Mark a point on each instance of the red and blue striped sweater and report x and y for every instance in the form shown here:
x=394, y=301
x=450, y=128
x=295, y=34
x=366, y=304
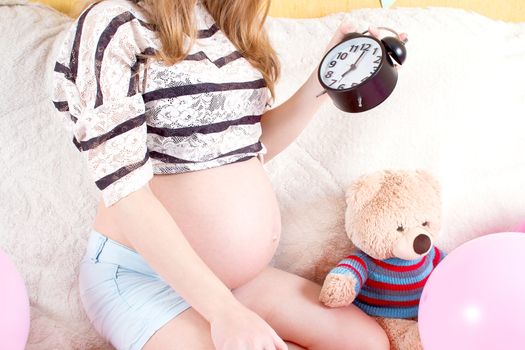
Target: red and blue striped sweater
x=392, y=287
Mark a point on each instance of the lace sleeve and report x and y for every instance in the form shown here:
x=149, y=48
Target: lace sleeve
x=95, y=89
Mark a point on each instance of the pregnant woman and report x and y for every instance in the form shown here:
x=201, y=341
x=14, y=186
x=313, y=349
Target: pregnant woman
x=167, y=101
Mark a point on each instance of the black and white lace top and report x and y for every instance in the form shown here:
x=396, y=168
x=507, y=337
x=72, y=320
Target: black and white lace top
x=131, y=121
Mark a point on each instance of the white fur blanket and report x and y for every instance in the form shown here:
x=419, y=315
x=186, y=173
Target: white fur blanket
x=457, y=111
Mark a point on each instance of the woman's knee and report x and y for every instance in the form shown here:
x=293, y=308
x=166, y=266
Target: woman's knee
x=372, y=337
x=354, y=330
x=376, y=339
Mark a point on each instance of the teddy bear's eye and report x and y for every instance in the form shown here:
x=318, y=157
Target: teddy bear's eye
x=400, y=228
x=426, y=223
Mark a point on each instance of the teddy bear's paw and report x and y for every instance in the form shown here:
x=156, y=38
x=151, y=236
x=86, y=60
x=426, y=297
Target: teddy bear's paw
x=338, y=290
x=403, y=334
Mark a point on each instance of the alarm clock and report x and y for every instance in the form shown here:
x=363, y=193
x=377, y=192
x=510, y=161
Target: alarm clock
x=359, y=73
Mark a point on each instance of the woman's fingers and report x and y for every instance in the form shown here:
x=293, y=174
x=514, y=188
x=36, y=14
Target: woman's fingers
x=343, y=29
x=279, y=343
x=374, y=31
x=347, y=27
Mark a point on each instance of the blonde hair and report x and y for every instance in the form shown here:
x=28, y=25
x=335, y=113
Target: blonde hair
x=241, y=21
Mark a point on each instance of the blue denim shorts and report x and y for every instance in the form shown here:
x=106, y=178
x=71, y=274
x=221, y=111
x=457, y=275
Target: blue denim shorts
x=125, y=300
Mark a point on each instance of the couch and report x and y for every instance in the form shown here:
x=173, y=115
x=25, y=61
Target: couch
x=457, y=111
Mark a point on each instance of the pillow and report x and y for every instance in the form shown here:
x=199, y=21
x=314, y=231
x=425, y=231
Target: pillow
x=456, y=111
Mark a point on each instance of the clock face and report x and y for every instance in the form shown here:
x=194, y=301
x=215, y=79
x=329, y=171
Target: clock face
x=350, y=63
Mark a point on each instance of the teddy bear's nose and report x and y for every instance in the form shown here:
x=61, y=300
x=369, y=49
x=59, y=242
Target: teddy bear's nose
x=422, y=244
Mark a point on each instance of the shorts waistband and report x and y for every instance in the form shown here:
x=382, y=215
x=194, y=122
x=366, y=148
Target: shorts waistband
x=101, y=248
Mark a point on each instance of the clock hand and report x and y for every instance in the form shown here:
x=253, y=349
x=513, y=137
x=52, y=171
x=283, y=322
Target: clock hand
x=359, y=58
x=353, y=66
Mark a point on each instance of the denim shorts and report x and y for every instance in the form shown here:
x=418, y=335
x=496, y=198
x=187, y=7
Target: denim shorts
x=125, y=300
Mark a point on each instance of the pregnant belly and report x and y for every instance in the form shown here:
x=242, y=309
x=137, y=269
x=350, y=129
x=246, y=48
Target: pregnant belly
x=229, y=214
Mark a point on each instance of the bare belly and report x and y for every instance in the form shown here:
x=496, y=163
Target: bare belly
x=229, y=214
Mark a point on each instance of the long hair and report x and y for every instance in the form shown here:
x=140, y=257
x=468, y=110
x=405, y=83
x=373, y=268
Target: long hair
x=242, y=21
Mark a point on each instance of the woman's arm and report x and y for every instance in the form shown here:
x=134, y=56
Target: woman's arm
x=156, y=237
x=281, y=125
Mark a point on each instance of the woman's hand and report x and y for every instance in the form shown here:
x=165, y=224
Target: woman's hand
x=348, y=27
x=281, y=125
x=375, y=32
x=343, y=29
x=242, y=329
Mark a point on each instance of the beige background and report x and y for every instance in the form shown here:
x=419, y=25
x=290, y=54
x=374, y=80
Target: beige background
x=508, y=10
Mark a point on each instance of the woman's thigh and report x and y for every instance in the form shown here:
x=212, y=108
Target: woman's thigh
x=189, y=330
x=289, y=303
x=130, y=305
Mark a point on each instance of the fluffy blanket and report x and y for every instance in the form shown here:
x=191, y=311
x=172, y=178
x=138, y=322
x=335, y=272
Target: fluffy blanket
x=457, y=111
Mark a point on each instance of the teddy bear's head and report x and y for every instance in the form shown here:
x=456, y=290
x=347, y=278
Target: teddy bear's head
x=394, y=214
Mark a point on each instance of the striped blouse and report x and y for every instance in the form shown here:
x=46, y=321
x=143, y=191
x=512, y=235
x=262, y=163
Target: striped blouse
x=131, y=120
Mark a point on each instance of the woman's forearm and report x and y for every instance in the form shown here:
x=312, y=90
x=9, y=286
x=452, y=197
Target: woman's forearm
x=156, y=237
x=281, y=125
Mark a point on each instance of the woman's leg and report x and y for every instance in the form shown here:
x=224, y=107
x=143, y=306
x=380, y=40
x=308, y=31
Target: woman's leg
x=189, y=330
x=289, y=303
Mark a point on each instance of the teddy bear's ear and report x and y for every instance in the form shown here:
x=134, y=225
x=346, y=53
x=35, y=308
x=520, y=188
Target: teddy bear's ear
x=363, y=189
x=429, y=179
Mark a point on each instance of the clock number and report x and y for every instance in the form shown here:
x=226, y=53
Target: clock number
x=365, y=47
x=342, y=86
x=329, y=74
x=342, y=56
x=375, y=51
x=333, y=82
x=378, y=60
x=353, y=48
x=332, y=64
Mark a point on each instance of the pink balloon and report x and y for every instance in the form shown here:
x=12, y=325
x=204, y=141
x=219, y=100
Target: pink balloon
x=14, y=306
x=521, y=228
x=475, y=298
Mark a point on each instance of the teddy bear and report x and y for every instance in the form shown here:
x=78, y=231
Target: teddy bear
x=393, y=218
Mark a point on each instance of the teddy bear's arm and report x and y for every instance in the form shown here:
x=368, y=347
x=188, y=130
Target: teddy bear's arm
x=344, y=281
x=437, y=256
x=355, y=265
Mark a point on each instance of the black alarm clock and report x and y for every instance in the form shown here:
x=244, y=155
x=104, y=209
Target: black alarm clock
x=359, y=73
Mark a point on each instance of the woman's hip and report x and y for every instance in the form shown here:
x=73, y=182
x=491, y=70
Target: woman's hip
x=123, y=297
